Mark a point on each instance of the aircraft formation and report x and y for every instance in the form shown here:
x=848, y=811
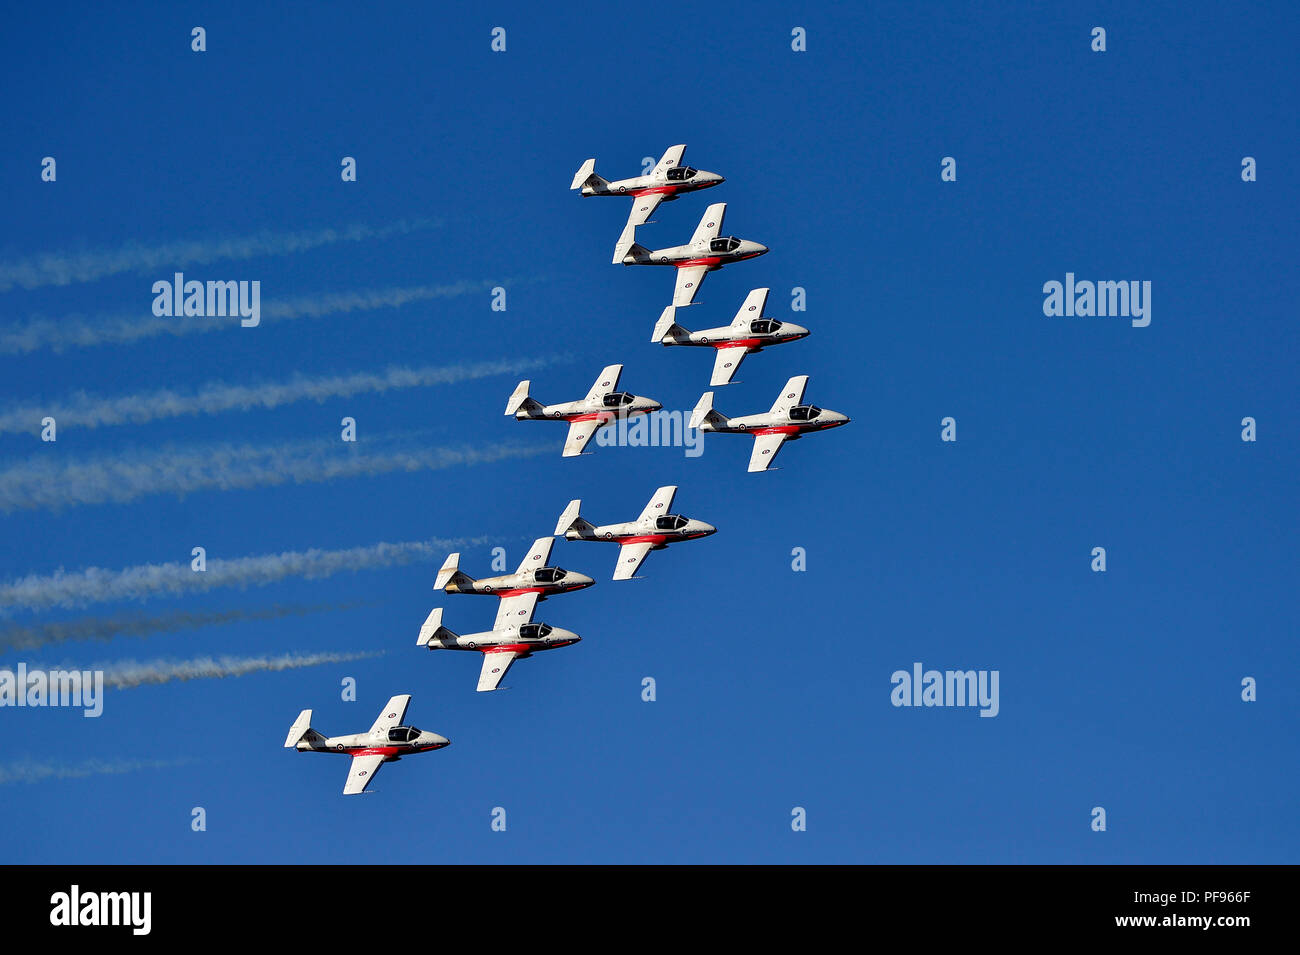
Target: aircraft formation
x=514, y=634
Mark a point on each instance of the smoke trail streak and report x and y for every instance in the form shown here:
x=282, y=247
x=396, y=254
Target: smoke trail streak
x=101, y=585
x=28, y=637
x=128, y=674
x=26, y=771
x=82, y=331
x=67, y=268
x=51, y=483
x=90, y=411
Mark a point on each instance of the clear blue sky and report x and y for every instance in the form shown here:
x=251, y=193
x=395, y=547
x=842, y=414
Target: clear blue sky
x=924, y=299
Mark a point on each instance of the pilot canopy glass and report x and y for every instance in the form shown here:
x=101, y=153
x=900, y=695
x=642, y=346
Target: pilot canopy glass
x=764, y=326
x=549, y=575
x=534, y=631
x=670, y=522
x=724, y=244
x=617, y=398
x=403, y=734
x=804, y=412
x=680, y=173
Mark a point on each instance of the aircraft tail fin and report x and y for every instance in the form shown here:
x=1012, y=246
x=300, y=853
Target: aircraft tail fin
x=433, y=630
x=704, y=413
x=667, y=330
x=450, y=573
x=637, y=253
x=519, y=400
x=587, y=180
x=301, y=732
x=571, y=524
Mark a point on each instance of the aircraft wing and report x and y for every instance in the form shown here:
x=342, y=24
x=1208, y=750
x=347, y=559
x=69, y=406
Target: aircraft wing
x=689, y=279
x=752, y=307
x=580, y=433
x=514, y=611
x=673, y=157
x=606, y=383
x=495, y=666
x=537, y=554
x=725, y=363
x=361, y=772
x=392, y=713
x=629, y=559
x=643, y=207
x=710, y=223
x=765, y=450
x=660, y=504
x=791, y=394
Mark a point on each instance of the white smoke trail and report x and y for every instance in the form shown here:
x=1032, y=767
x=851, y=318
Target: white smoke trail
x=26, y=771
x=128, y=674
x=90, y=411
x=101, y=585
x=53, y=483
x=31, y=636
x=86, y=331
x=67, y=268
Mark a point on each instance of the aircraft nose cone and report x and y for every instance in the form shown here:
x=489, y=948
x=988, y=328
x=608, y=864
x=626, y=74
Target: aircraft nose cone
x=582, y=580
x=707, y=529
x=760, y=249
x=440, y=740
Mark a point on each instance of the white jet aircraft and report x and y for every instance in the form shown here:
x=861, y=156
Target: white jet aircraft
x=534, y=580
x=749, y=332
x=665, y=183
x=603, y=405
x=387, y=742
x=655, y=529
x=787, y=421
x=706, y=252
x=513, y=636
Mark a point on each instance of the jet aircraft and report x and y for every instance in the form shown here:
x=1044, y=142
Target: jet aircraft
x=655, y=529
x=603, y=405
x=788, y=420
x=749, y=332
x=386, y=742
x=668, y=180
x=706, y=252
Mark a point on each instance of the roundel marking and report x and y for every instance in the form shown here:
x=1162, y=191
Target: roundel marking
x=496, y=669
x=604, y=384
x=622, y=188
x=609, y=535
x=711, y=225
x=487, y=588
x=392, y=716
x=790, y=395
x=742, y=427
x=471, y=644
x=727, y=365
x=767, y=450
x=690, y=285
x=339, y=747
x=659, y=505
x=364, y=772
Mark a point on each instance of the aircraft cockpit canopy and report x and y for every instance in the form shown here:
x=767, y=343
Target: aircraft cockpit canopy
x=549, y=575
x=403, y=734
x=804, y=412
x=724, y=244
x=680, y=173
x=617, y=398
x=670, y=522
x=764, y=326
x=534, y=631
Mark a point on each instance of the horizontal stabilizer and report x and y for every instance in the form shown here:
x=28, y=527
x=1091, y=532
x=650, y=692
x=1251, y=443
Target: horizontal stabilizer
x=667, y=330
x=433, y=629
